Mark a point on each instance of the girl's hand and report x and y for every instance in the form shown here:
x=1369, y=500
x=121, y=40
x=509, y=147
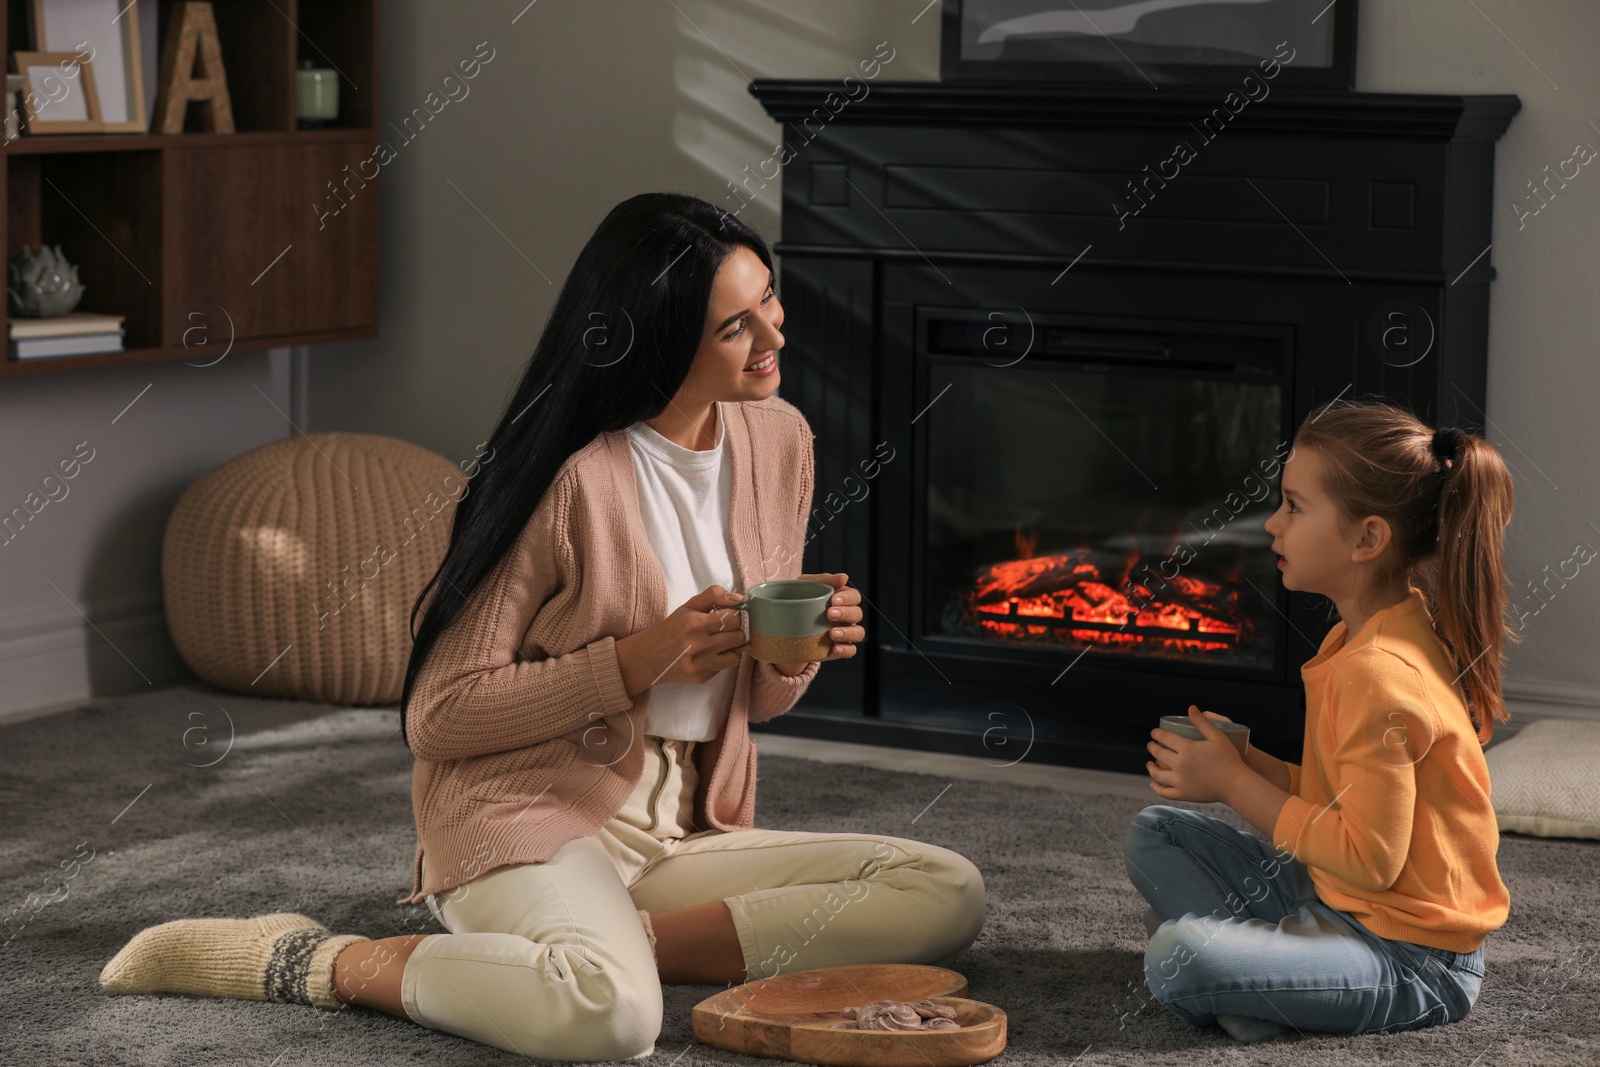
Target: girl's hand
x=1196, y=771
x=845, y=616
x=700, y=639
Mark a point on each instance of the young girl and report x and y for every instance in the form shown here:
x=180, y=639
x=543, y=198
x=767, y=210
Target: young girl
x=1367, y=907
x=580, y=691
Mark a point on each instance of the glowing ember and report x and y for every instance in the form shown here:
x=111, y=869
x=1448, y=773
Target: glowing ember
x=1070, y=598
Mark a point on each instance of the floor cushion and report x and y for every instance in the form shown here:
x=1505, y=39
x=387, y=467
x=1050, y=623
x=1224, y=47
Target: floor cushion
x=1545, y=780
x=291, y=570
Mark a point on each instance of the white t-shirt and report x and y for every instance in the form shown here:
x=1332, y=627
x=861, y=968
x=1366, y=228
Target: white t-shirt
x=683, y=499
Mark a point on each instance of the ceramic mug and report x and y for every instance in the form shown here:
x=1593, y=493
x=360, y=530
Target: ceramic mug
x=1237, y=732
x=789, y=620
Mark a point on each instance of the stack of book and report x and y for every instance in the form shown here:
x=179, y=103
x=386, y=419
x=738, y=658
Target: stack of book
x=76, y=334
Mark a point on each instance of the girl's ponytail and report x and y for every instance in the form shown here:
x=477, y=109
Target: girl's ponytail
x=1447, y=498
x=1474, y=509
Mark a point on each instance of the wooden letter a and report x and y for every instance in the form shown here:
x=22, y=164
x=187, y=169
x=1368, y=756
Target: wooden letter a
x=192, y=27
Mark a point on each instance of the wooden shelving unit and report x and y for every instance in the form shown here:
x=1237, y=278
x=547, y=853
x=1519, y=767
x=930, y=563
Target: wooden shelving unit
x=198, y=238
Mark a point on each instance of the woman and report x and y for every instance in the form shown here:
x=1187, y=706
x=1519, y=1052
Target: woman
x=584, y=787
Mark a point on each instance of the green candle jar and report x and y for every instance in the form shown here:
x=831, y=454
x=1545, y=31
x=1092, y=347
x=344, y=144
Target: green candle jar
x=316, y=96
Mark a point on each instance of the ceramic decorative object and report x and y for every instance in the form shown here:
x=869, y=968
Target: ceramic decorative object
x=43, y=285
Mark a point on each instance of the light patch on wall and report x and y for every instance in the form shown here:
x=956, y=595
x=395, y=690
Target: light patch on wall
x=725, y=158
x=721, y=140
x=721, y=94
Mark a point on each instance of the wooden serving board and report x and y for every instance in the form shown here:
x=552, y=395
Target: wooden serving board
x=797, y=1017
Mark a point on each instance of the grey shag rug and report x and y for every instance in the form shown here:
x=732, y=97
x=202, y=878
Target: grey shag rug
x=308, y=810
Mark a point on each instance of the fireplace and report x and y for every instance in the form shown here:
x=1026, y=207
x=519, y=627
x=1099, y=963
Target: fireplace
x=1051, y=530
x=1074, y=420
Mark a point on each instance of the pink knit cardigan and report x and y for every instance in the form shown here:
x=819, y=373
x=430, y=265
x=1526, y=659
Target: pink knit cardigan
x=523, y=733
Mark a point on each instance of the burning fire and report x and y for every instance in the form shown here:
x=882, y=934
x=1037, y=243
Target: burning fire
x=1071, y=597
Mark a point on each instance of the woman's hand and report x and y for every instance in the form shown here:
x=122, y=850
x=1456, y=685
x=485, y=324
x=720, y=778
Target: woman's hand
x=845, y=616
x=1196, y=771
x=703, y=637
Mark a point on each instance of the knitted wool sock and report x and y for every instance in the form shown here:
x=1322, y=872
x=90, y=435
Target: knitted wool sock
x=649, y=930
x=282, y=957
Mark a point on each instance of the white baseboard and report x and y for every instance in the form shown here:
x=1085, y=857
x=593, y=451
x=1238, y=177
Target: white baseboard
x=51, y=658
x=1533, y=699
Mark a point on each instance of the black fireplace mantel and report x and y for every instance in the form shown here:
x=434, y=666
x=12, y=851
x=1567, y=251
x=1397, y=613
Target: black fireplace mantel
x=1329, y=112
x=1393, y=187
x=1303, y=224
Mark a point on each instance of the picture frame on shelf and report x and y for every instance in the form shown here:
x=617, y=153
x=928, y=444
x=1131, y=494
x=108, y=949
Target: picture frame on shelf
x=1150, y=44
x=59, y=96
x=14, y=114
x=107, y=33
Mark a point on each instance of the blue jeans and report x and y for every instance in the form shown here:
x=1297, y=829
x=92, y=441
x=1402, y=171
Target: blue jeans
x=1244, y=933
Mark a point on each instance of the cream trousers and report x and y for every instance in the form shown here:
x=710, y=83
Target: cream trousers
x=549, y=960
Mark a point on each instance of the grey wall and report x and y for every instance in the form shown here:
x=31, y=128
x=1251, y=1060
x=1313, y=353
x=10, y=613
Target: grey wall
x=80, y=585
x=585, y=103
x=1543, y=317
x=581, y=106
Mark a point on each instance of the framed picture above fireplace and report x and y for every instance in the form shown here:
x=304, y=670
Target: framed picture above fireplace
x=1304, y=43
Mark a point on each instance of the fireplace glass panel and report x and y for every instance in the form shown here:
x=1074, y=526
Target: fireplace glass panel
x=1107, y=509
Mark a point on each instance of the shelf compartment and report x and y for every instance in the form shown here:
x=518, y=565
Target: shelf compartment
x=105, y=212
x=258, y=54
x=343, y=37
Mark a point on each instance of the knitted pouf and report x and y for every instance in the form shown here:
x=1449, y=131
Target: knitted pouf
x=291, y=571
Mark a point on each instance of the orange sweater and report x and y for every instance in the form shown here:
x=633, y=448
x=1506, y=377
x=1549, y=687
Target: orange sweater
x=1390, y=810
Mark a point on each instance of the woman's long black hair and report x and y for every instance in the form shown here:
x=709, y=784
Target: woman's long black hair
x=617, y=346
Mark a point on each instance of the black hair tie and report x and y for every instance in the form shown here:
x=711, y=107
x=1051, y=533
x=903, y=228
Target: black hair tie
x=1444, y=442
